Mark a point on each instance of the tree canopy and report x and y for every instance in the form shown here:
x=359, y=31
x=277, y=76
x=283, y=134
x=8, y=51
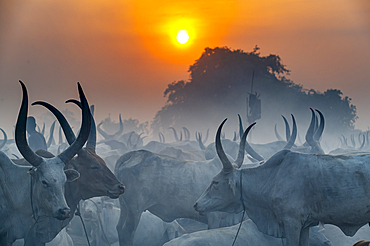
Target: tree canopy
x=218, y=87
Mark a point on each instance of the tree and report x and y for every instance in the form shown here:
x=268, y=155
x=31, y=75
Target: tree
x=219, y=84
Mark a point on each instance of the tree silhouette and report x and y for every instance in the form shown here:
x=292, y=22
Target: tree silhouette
x=220, y=81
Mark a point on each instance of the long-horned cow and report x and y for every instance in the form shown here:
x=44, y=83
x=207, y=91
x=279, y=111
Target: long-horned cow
x=27, y=193
x=95, y=180
x=292, y=192
x=166, y=186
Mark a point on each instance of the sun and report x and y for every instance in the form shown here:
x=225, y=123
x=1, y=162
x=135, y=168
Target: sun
x=182, y=36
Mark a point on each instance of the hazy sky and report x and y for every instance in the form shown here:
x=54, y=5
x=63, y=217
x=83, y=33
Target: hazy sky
x=125, y=53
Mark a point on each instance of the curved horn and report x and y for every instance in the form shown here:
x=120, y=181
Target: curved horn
x=292, y=138
x=174, y=133
x=51, y=134
x=186, y=133
x=287, y=129
x=120, y=130
x=234, y=138
x=5, y=139
x=68, y=154
x=277, y=134
x=363, y=142
x=180, y=136
x=129, y=143
x=198, y=137
x=43, y=129
x=103, y=133
x=252, y=152
x=353, y=141
x=310, y=131
x=60, y=135
x=91, y=141
x=68, y=133
x=20, y=132
x=240, y=127
x=320, y=129
x=227, y=166
x=206, y=138
x=239, y=160
x=161, y=137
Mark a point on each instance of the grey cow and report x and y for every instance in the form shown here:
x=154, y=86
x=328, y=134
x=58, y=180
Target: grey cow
x=292, y=192
x=27, y=193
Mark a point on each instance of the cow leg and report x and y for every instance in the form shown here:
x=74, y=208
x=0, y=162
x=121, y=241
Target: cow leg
x=292, y=232
x=304, y=237
x=127, y=224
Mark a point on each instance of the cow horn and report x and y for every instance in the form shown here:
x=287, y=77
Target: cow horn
x=198, y=137
x=310, y=131
x=292, y=138
x=239, y=160
x=91, y=141
x=20, y=132
x=320, y=129
x=51, y=134
x=206, y=138
x=5, y=139
x=67, y=155
x=363, y=142
x=227, y=166
x=175, y=134
x=68, y=133
x=287, y=129
x=186, y=133
x=43, y=129
x=240, y=127
x=120, y=130
x=277, y=134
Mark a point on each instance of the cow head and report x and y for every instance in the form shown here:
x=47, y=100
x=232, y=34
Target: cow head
x=95, y=177
x=91, y=209
x=48, y=175
x=223, y=194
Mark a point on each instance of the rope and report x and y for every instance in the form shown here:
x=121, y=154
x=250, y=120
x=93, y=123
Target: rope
x=33, y=215
x=78, y=213
x=241, y=198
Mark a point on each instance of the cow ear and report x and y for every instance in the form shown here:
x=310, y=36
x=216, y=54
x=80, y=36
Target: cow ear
x=32, y=171
x=71, y=174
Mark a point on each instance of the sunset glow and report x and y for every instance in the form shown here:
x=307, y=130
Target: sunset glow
x=206, y=25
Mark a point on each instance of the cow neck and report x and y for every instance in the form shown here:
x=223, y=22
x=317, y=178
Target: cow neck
x=241, y=198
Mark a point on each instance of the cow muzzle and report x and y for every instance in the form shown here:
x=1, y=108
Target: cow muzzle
x=63, y=213
x=117, y=192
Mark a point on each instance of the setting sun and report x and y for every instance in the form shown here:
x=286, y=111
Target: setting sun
x=182, y=36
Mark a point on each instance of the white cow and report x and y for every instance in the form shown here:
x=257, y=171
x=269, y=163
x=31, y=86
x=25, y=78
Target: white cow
x=102, y=217
x=27, y=193
x=249, y=235
x=291, y=192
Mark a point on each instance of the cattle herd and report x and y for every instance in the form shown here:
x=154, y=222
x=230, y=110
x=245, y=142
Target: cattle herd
x=125, y=191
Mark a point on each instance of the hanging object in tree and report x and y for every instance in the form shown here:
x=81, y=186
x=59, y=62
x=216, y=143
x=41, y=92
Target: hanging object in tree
x=253, y=105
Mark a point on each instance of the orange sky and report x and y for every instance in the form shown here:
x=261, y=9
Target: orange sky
x=124, y=53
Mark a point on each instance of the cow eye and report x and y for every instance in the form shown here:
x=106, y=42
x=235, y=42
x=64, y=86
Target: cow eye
x=45, y=183
x=95, y=167
x=215, y=182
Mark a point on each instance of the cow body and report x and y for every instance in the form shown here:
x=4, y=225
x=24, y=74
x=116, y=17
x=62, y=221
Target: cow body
x=293, y=191
x=166, y=186
x=249, y=235
x=102, y=217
